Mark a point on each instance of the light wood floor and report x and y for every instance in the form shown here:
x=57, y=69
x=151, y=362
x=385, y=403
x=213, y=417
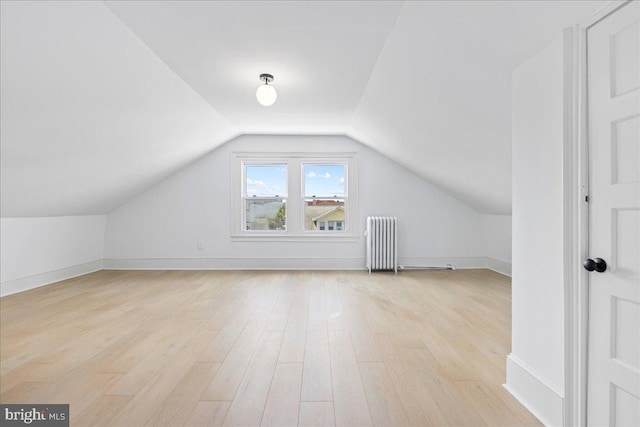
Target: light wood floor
x=273, y=348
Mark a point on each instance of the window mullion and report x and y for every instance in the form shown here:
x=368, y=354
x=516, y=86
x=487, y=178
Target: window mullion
x=294, y=206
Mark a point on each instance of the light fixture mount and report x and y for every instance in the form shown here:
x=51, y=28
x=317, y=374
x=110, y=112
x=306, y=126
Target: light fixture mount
x=266, y=78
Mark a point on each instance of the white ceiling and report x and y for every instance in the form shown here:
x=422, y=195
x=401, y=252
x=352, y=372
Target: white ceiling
x=321, y=54
x=100, y=102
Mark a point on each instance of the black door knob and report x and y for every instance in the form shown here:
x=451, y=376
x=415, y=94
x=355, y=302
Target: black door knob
x=597, y=264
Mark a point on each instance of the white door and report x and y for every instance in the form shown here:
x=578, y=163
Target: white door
x=613, y=390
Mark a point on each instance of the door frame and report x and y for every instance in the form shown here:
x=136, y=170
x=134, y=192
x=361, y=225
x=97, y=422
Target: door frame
x=576, y=217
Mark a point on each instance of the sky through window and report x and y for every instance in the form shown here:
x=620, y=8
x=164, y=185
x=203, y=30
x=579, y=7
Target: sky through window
x=266, y=180
x=324, y=180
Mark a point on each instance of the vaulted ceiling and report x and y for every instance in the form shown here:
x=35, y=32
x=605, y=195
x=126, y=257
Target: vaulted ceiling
x=100, y=100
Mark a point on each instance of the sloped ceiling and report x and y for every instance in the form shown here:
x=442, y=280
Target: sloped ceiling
x=439, y=99
x=90, y=115
x=101, y=100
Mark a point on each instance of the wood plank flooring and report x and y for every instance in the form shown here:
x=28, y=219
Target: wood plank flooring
x=248, y=348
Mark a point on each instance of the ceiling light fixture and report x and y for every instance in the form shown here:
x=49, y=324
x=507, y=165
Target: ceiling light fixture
x=266, y=94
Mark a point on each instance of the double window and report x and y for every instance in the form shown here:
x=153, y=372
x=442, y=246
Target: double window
x=293, y=196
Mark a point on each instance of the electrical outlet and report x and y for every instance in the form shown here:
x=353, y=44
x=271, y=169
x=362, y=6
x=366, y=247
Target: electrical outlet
x=200, y=245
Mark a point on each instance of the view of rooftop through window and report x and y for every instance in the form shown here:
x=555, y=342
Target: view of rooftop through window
x=266, y=197
x=324, y=197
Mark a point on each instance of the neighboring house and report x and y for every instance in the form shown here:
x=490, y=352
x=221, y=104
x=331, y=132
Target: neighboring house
x=325, y=215
x=330, y=221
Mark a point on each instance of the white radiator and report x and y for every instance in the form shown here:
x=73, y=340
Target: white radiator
x=382, y=243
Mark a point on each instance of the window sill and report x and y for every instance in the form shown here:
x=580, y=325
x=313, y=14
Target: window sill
x=297, y=238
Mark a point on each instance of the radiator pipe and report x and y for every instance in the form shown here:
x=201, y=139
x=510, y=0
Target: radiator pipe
x=421, y=267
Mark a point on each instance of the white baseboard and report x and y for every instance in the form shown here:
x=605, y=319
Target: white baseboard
x=10, y=287
x=234, y=264
x=460, y=263
x=499, y=266
x=536, y=393
x=280, y=263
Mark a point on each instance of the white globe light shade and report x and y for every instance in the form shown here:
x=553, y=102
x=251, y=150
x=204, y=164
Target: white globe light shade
x=266, y=95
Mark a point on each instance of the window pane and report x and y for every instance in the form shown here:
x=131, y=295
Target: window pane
x=266, y=214
x=324, y=180
x=265, y=180
x=323, y=214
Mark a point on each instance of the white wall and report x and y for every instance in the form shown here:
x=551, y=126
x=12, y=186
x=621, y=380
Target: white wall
x=535, y=368
x=38, y=251
x=161, y=227
x=497, y=240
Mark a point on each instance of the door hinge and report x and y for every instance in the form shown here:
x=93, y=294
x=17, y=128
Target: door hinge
x=586, y=198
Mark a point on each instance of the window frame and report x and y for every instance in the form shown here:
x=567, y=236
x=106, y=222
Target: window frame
x=295, y=198
x=345, y=196
x=245, y=197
